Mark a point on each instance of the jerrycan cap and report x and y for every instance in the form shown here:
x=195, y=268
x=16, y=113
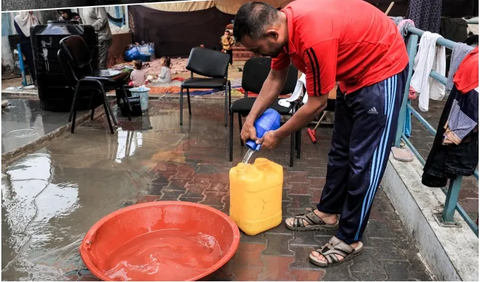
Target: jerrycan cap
x=252, y=145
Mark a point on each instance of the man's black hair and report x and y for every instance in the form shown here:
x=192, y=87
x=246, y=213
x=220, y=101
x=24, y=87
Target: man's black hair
x=251, y=20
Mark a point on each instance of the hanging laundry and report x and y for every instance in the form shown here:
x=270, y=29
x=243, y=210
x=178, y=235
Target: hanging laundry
x=403, y=27
x=430, y=56
x=455, y=148
x=454, y=29
x=460, y=50
x=397, y=20
x=466, y=77
x=426, y=14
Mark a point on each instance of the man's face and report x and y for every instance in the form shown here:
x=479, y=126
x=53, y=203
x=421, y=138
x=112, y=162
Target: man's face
x=267, y=46
x=64, y=15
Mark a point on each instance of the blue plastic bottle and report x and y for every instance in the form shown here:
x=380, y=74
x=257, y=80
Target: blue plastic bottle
x=269, y=120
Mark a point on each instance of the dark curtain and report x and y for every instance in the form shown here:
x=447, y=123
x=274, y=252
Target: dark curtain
x=176, y=33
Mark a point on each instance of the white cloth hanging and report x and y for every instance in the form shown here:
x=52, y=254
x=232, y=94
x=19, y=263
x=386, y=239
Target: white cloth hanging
x=25, y=21
x=430, y=57
x=297, y=93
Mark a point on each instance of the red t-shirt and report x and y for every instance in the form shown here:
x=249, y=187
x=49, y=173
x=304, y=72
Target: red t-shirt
x=348, y=41
x=466, y=77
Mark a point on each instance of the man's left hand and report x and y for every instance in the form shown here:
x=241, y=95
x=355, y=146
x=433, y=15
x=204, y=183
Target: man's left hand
x=270, y=140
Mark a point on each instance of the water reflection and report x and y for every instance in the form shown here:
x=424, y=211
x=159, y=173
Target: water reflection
x=30, y=204
x=127, y=144
x=24, y=122
x=53, y=197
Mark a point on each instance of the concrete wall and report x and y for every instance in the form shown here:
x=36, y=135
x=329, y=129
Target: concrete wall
x=451, y=253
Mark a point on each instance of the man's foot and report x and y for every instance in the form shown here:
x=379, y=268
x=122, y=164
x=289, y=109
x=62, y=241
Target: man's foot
x=313, y=219
x=335, y=252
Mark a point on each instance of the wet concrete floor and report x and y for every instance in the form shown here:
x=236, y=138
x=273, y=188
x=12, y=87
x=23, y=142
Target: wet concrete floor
x=52, y=197
x=24, y=122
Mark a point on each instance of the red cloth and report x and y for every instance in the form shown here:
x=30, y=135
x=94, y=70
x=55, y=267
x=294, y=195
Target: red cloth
x=348, y=41
x=466, y=77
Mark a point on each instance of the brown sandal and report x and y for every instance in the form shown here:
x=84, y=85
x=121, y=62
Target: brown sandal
x=314, y=222
x=333, y=248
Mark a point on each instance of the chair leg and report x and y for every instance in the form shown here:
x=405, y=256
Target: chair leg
x=105, y=106
x=181, y=105
x=127, y=103
x=299, y=143
x=188, y=100
x=292, y=148
x=240, y=127
x=128, y=108
x=73, y=102
x=229, y=94
x=230, y=141
x=228, y=98
x=90, y=107
x=73, y=111
x=110, y=111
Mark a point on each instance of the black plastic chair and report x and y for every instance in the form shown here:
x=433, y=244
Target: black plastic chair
x=76, y=61
x=255, y=72
x=213, y=65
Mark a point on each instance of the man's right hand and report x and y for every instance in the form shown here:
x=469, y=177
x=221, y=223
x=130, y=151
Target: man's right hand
x=248, y=132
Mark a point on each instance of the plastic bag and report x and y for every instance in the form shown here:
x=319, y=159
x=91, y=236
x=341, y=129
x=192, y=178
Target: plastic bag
x=144, y=49
x=151, y=48
x=132, y=54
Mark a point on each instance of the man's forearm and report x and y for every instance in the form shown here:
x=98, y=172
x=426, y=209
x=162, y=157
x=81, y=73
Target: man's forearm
x=300, y=119
x=269, y=93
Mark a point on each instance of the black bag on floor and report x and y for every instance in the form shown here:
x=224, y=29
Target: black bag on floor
x=136, y=109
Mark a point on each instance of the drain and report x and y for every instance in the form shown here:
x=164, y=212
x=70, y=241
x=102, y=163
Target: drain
x=21, y=133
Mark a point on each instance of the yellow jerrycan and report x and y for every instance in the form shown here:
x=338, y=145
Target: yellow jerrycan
x=256, y=195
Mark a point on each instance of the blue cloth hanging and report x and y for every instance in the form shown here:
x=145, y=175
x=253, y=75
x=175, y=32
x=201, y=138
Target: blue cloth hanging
x=407, y=126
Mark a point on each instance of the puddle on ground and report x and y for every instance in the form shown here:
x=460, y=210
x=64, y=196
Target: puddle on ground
x=51, y=198
x=21, y=133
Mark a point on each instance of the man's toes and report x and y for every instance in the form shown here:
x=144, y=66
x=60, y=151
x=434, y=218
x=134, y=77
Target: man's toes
x=318, y=256
x=289, y=221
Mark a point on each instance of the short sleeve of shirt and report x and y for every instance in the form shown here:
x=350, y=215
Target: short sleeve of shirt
x=281, y=62
x=321, y=67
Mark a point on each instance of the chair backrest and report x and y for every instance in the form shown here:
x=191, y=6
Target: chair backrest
x=67, y=68
x=208, y=62
x=77, y=52
x=256, y=70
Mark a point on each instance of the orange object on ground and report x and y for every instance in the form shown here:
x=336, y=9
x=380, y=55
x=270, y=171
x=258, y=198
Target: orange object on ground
x=312, y=132
x=256, y=195
x=160, y=241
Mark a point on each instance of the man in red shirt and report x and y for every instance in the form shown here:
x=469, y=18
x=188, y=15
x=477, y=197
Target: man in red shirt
x=351, y=42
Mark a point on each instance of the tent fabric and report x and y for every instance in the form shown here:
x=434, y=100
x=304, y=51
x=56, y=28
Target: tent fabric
x=176, y=33
x=186, y=6
x=232, y=6
x=226, y=6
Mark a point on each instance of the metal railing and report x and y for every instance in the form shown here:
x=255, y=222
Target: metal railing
x=453, y=190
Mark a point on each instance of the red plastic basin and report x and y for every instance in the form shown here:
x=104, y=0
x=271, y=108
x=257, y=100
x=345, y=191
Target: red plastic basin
x=160, y=241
